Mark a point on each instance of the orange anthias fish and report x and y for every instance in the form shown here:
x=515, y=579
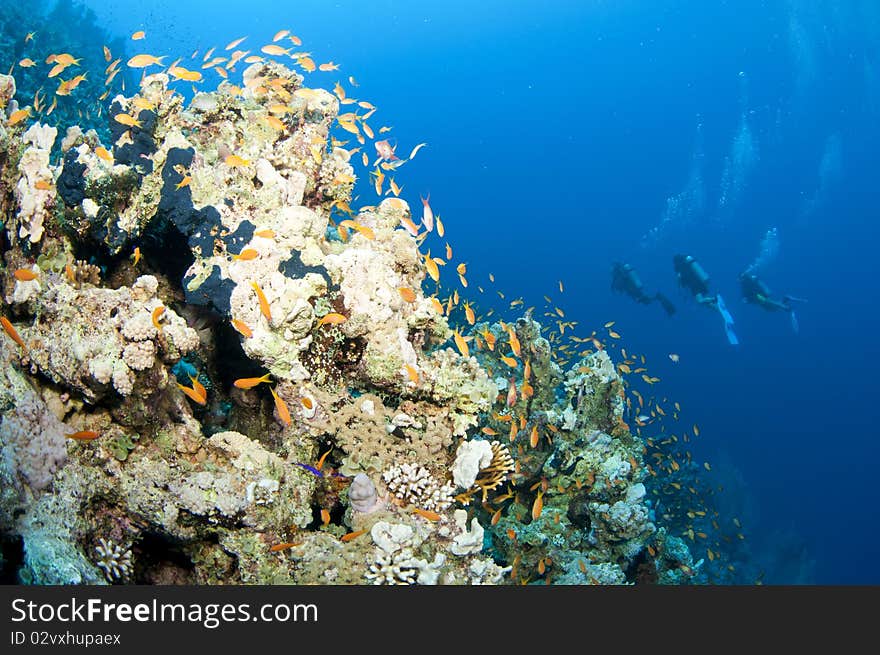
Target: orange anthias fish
x=538, y=506
x=250, y=383
x=127, y=119
x=428, y=514
x=155, y=316
x=11, y=331
x=83, y=435
x=352, y=535
x=281, y=407
x=193, y=394
x=242, y=328
x=264, y=303
x=142, y=61
x=246, y=255
x=332, y=319
x=407, y=294
x=25, y=275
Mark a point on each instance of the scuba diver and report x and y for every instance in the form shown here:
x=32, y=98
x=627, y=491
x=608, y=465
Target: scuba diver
x=756, y=292
x=693, y=277
x=624, y=279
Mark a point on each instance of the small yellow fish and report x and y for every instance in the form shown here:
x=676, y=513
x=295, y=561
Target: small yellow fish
x=104, y=154
x=17, y=117
x=407, y=294
x=264, y=303
x=246, y=255
x=181, y=73
x=142, y=61
x=275, y=50
x=143, y=103
x=432, y=268
x=127, y=119
x=234, y=161
x=137, y=36
x=27, y=63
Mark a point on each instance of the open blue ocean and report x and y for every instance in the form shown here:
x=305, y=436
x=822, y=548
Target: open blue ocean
x=566, y=135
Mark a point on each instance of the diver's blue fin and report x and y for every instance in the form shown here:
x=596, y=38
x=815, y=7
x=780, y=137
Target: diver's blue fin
x=794, y=323
x=728, y=320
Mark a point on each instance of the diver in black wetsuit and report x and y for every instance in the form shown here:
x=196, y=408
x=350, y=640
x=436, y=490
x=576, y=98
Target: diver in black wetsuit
x=693, y=277
x=754, y=291
x=624, y=279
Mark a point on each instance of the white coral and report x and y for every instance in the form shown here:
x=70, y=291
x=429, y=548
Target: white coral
x=113, y=560
x=470, y=458
x=139, y=327
x=415, y=485
x=139, y=355
x=404, y=568
x=32, y=441
x=466, y=542
x=362, y=494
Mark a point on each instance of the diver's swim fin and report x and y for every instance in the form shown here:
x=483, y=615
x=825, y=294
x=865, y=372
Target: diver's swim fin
x=728, y=320
x=667, y=305
x=789, y=299
x=794, y=323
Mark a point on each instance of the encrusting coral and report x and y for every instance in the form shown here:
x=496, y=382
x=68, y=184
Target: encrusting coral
x=241, y=268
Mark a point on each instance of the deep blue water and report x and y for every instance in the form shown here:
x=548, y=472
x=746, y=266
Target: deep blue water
x=557, y=131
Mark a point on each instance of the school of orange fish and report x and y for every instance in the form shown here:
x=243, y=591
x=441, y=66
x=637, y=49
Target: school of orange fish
x=686, y=497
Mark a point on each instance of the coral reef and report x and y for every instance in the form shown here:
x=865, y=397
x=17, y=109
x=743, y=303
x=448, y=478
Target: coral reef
x=201, y=377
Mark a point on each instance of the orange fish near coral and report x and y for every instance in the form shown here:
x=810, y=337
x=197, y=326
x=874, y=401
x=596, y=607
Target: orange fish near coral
x=193, y=394
x=332, y=319
x=264, y=303
x=281, y=407
x=24, y=275
x=246, y=255
x=538, y=506
x=155, y=316
x=428, y=514
x=242, y=328
x=142, y=61
x=250, y=383
x=83, y=435
x=407, y=294
x=11, y=331
x=352, y=535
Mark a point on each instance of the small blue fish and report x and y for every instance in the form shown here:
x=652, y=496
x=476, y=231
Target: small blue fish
x=310, y=469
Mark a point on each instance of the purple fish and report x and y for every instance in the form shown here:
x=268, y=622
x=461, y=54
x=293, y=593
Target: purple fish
x=310, y=469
